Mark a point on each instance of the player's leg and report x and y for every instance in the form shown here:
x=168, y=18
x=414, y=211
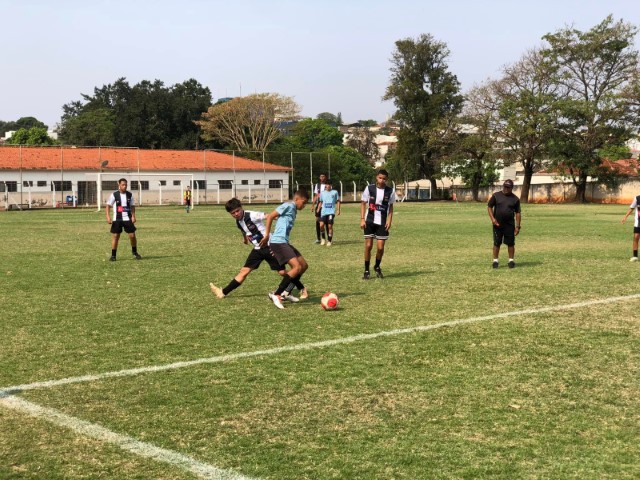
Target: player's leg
x=317, y=214
x=510, y=242
x=636, y=239
x=322, y=227
x=115, y=237
x=379, y=254
x=134, y=246
x=368, y=245
x=329, y=229
x=253, y=261
x=497, y=241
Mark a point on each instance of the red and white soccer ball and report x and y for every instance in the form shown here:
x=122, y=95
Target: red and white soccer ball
x=329, y=301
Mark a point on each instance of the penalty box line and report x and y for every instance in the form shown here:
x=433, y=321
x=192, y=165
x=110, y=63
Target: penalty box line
x=130, y=444
x=16, y=389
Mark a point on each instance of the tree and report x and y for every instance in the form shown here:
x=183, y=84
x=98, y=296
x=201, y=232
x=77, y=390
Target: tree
x=423, y=91
x=23, y=122
x=368, y=123
x=348, y=165
x=310, y=135
x=593, y=68
x=527, y=120
x=363, y=140
x=467, y=143
x=146, y=115
x=248, y=123
x=31, y=136
x=330, y=118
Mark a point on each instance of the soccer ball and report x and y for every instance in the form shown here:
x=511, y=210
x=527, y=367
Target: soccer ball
x=329, y=301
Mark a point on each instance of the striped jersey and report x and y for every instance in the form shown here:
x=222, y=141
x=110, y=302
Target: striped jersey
x=121, y=203
x=252, y=226
x=636, y=204
x=378, y=203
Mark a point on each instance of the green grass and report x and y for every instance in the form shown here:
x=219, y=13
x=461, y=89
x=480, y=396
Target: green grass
x=541, y=395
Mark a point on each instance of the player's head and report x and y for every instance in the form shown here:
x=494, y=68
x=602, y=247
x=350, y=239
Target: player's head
x=507, y=186
x=300, y=198
x=381, y=178
x=122, y=184
x=234, y=207
x=323, y=177
x=327, y=185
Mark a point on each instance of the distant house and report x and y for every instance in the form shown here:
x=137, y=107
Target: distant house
x=86, y=176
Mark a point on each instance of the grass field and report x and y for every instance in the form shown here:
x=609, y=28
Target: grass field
x=539, y=379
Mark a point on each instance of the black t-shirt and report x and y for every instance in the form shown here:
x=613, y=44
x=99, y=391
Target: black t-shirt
x=504, y=207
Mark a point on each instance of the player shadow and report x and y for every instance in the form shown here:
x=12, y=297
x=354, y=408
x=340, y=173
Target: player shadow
x=527, y=263
x=399, y=275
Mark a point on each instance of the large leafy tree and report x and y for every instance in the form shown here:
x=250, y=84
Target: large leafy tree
x=31, y=136
x=525, y=98
x=248, y=123
x=593, y=68
x=146, y=115
x=330, y=118
x=424, y=91
x=22, y=122
x=311, y=135
x=363, y=139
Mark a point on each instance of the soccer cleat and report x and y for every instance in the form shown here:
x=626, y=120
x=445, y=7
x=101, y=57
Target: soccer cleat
x=366, y=276
x=277, y=300
x=495, y=264
x=323, y=241
x=633, y=259
x=378, y=272
x=216, y=291
x=511, y=264
x=290, y=298
x=317, y=242
x=137, y=257
x=304, y=294
x=328, y=244
x=112, y=258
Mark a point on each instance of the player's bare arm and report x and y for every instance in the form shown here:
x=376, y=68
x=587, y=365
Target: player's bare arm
x=362, y=214
x=107, y=208
x=493, y=219
x=267, y=225
x=624, y=219
x=133, y=214
x=387, y=224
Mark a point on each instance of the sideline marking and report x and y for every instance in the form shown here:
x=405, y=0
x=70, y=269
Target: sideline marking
x=16, y=389
x=143, y=449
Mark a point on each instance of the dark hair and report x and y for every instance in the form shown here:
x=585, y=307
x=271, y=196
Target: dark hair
x=122, y=180
x=322, y=173
x=302, y=193
x=232, y=204
x=382, y=171
x=328, y=182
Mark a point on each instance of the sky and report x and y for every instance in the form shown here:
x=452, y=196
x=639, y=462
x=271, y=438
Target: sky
x=329, y=55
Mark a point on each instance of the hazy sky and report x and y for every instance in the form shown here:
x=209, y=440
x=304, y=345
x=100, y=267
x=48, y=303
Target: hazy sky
x=331, y=56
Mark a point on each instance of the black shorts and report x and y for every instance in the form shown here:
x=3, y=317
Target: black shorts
x=187, y=202
x=506, y=234
x=284, y=252
x=118, y=225
x=317, y=211
x=327, y=219
x=636, y=229
x=256, y=257
x=372, y=230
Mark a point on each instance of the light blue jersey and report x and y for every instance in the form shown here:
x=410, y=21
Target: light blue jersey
x=329, y=200
x=285, y=222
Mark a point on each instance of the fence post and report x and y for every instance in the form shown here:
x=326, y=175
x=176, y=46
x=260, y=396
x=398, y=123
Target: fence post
x=355, y=189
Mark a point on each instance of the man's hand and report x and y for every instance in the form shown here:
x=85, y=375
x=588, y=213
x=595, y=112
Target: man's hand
x=265, y=240
x=517, y=230
x=245, y=239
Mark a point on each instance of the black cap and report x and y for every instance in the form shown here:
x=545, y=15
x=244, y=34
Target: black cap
x=508, y=183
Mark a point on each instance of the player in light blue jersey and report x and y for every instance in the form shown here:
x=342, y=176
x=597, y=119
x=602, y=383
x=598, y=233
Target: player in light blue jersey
x=284, y=252
x=329, y=204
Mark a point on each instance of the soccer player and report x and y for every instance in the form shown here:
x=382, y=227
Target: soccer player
x=376, y=213
x=318, y=188
x=251, y=225
x=124, y=217
x=636, y=226
x=280, y=247
x=187, y=198
x=502, y=207
x=328, y=201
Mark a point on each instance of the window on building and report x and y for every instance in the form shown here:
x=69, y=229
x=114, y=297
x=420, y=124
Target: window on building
x=110, y=185
x=225, y=184
x=275, y=183
x=177, y=183
x=200, y=184
x=245, y=182
x=163, y=183
x=27, y=183
x=256, y=182
x=42, y=183
x=11, y=186
x=136, y=184
x=59, y=186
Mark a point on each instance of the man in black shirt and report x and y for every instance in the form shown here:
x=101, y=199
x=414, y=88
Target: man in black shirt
x=501, y=207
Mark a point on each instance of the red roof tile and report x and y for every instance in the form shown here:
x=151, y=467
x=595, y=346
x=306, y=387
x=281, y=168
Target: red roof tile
x=120, y=159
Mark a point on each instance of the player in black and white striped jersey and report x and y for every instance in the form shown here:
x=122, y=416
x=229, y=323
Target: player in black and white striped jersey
x=124, y=218
x=634, y=207
x=252, y=226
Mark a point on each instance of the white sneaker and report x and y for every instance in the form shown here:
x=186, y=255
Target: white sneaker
x=328, y=244
x=304, y=294
x=216, y=291
x=277, y=300
x=322, y=242
x=633, y=259
x=290, y=298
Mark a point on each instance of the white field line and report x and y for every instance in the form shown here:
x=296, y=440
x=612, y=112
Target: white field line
x=16, y=389
x=147, y=450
